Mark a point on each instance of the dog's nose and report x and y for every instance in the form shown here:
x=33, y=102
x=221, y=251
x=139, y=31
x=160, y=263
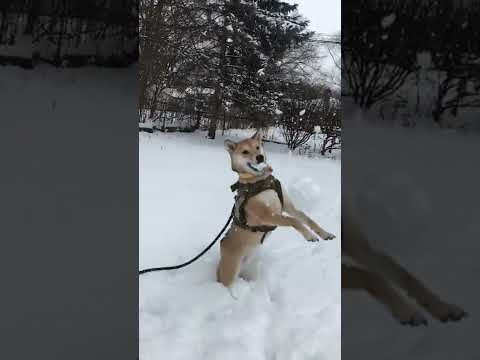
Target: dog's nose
x=260, y=159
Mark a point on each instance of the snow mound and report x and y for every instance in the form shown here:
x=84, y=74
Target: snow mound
x=388, y=20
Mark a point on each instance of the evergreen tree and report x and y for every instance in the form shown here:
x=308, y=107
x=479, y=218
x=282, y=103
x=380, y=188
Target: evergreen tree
x=242, y=44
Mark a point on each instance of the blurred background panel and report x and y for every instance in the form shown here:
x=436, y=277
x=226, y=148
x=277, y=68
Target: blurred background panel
x=69, y=183
x=410, y=115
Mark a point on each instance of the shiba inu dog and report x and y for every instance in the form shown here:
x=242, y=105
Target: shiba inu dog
x=261, y=205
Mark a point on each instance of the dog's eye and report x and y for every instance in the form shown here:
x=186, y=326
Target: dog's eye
x=258, y=147
x=245, y=152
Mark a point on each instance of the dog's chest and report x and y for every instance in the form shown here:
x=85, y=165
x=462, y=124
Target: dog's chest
x=270, y=199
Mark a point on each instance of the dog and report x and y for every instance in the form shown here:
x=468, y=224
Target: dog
x=262, y=204
x=365, y=268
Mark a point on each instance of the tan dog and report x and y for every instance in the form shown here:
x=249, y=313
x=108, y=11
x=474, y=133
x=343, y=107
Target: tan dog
x=262, y=210
x=366, y=268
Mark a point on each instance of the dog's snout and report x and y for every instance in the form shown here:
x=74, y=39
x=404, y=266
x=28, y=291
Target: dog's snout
x=260, y=159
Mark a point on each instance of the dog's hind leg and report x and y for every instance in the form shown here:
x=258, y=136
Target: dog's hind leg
x=251, y=264
x=380, y=289
x=229, y=267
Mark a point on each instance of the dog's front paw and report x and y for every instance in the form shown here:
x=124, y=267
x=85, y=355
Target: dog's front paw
x=327, y=236
x=311, y=237
x=414, y=319
x=446, y=312
x=408, y=315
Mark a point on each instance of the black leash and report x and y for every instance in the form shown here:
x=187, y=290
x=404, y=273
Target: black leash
x=144, y=271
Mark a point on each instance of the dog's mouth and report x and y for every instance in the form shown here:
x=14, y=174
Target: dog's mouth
x=261, y=168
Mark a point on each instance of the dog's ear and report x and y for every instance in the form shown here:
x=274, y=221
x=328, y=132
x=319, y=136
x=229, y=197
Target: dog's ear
x=257, y=136
x=230, y=145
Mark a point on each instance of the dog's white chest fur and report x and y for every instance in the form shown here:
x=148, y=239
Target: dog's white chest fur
x=270, y=199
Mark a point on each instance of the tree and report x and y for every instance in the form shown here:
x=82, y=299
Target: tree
x=334, y=49
x=168, y=37
x=69, y=33
x=244, y=40
x=456, y=58
x=232, y=56
x=378, y=51
x=304, y=107
x=330, y=121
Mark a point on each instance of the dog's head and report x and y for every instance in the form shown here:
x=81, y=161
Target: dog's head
x=248, y=156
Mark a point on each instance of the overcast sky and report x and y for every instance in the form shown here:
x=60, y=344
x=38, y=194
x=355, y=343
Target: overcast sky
x=325, y=18
x=324, y=15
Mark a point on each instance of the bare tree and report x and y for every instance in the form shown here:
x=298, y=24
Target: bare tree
x=373, y=66
x=459, y=89
x=457, y=62
x=168, y=34
x=330, y=123
x=329, y=48
x=303, y=108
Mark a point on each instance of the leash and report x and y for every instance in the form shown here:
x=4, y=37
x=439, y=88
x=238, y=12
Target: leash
x=174, y=267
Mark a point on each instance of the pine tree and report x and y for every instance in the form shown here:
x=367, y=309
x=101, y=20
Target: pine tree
x=242, y=43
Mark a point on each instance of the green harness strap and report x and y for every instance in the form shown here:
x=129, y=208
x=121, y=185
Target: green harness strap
x=245, y=192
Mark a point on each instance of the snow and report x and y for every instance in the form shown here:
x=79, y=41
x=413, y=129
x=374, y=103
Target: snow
x=291, y=311
x=388, y=20
x=260, y=167
x=180, y=94
x=147, y=124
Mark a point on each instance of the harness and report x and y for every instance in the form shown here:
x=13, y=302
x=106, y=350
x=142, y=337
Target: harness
x=244, y=193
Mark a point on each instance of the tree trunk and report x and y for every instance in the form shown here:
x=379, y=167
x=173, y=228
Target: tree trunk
x=198, y=118
x=437, y=117
x=153, y=104
x=212, y=126
x=223, y=126
x=218, y=95
x=62, y=24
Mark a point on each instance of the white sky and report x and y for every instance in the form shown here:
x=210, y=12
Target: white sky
x=324, y=15
x=325, y=18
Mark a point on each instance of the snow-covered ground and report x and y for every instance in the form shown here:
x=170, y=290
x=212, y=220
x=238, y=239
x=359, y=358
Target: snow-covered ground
x=290, y=312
